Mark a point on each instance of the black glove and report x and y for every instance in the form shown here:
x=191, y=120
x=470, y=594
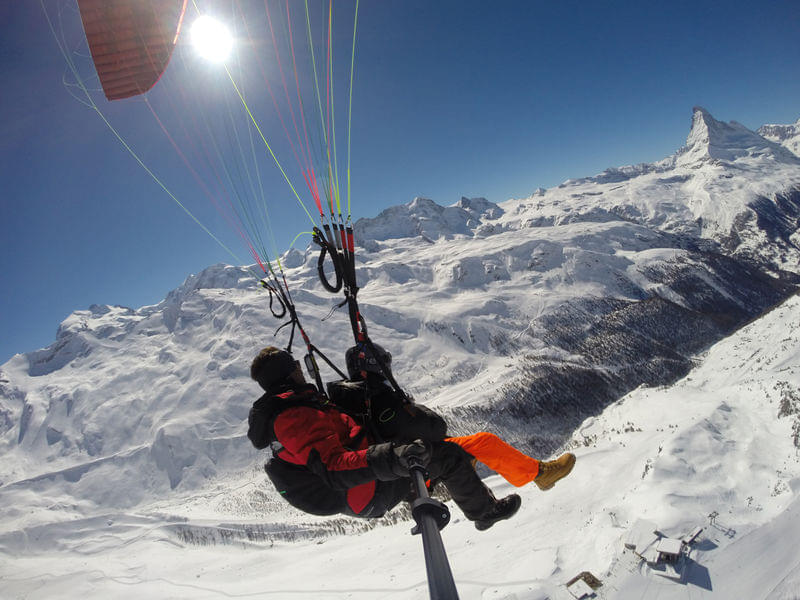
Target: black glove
x=417, y=452
x=391, y=462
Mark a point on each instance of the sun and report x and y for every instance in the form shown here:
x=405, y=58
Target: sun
x=211, y=39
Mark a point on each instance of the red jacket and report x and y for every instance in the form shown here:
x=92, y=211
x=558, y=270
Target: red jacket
x=321, y=439
x=333, y=446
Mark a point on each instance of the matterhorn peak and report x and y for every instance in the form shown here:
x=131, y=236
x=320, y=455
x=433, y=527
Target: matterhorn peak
x=709, y=136
x=711, y=140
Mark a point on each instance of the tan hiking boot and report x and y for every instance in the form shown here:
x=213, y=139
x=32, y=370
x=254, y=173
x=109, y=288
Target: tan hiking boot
x=553, y=470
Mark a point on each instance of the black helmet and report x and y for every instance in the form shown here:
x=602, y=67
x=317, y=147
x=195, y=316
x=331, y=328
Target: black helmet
x=360, y=358
x=272, y=366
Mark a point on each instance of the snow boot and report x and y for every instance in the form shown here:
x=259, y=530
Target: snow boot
x=553, y=470
x=502, y=509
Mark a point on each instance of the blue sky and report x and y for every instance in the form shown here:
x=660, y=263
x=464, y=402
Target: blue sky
x=451, y=98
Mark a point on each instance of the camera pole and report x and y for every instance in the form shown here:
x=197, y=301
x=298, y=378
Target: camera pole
x=431, y=516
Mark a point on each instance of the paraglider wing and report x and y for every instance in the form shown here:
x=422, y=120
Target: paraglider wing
x=131, y=41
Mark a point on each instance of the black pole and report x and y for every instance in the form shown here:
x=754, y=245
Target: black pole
x=431, y=516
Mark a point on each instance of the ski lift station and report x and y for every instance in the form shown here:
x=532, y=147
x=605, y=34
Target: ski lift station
x=663, y=554
x=669, y=549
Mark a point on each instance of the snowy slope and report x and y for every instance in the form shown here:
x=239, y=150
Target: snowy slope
x=124, y=440
x=722, y=439
x=787, y=135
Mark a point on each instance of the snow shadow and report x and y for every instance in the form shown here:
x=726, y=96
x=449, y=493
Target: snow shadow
x=697, y=574
x=704, y=545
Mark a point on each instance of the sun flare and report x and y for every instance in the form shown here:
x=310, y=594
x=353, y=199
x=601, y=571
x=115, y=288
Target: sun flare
x=211, y=39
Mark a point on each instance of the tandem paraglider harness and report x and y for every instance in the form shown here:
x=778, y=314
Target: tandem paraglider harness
x=298, y=483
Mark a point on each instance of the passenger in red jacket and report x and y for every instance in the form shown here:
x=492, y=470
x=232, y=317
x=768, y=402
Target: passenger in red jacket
x=326, y=462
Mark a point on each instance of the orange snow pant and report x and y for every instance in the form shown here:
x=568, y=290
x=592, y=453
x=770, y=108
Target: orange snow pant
x=514, y=466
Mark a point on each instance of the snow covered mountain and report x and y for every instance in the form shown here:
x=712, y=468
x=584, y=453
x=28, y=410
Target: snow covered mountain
x=556, y=320
x=580, y=293
x=787, y=135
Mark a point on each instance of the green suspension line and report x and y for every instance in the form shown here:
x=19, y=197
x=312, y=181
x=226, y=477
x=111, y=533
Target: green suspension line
x=350, y=107
x=264, y=139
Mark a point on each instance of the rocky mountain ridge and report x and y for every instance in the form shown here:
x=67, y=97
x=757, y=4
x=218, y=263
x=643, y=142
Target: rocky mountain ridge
x=787, y=135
